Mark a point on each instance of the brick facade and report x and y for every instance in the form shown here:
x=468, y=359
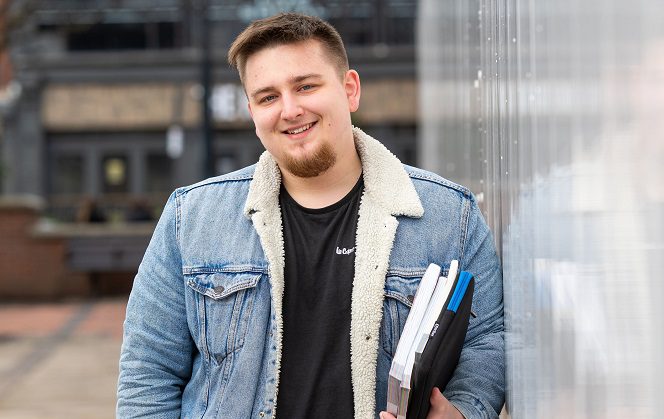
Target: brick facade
x=33, y=266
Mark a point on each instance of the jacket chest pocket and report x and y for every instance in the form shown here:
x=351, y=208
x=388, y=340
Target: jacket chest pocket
x=224, y=306
x=399, y=296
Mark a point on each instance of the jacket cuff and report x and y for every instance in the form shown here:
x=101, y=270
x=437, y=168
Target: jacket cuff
x=470, y=406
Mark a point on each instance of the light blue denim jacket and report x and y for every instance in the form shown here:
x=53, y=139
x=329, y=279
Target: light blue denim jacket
x=202, y=336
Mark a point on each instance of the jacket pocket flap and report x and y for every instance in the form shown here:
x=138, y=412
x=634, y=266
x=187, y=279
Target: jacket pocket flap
x=401, y=289
x=219, y=285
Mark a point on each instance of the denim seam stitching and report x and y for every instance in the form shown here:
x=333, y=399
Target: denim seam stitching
x=235, y=320
x=249, y=309
x=225, y=376
x=190, y=188
x=406, y=273
x=399, y=297
x=442, y=182
x=464, y=230
x=393, y=314
x=206, y=365
x=209, y=292
x=202, y=320
x=178, y=217
x=243, y=285
x=189, y=270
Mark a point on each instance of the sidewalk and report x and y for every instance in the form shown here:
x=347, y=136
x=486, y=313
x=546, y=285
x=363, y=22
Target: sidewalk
x=60, y=360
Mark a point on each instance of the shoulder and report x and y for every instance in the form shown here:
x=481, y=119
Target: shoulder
x=225, y=194
x=238, y=179
x=431, y=186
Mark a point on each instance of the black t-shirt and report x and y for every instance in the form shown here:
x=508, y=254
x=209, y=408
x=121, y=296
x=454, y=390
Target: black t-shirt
x=315, y=378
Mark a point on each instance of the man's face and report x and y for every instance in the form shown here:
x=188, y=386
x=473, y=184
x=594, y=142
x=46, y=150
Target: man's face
x=301, y=106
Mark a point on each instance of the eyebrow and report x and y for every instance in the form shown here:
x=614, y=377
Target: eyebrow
x=292, y=80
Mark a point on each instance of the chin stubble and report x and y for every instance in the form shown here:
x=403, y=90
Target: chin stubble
x=322, y=160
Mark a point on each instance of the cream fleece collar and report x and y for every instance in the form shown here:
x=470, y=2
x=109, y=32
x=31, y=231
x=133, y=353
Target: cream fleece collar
x=385, y=180
x=388, y=193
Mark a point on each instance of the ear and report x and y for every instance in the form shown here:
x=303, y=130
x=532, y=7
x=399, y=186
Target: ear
x=353, y=89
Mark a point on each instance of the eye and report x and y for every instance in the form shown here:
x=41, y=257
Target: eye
x=307, y=87
x=267, y=99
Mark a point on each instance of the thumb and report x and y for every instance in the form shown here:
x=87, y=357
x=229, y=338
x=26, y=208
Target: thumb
x=436, y=395
x=437, y=401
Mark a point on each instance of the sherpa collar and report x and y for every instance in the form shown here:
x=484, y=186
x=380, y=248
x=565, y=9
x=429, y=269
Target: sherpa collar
x=385, y=180
x=388, y=193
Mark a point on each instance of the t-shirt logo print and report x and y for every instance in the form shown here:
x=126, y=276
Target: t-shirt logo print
x=344, y=251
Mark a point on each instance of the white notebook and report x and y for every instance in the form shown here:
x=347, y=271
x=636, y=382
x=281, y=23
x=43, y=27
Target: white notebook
x=407, y=339
x=436, y=304
x=440, y=294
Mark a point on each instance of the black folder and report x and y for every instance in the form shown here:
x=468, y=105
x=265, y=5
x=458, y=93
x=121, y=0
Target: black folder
x=435, y=366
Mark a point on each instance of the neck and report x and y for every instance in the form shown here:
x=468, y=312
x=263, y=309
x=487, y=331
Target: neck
x=328, y=187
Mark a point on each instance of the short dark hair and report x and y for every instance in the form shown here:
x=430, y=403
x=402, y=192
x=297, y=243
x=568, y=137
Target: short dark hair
x=287, y=28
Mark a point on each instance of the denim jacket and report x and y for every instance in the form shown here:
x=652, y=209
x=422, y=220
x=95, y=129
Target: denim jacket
x=203, y=332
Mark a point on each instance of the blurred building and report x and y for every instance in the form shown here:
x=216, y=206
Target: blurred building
x=109, y=93
x=102, y=115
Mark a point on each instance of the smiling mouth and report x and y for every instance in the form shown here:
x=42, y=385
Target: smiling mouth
x=300, y=129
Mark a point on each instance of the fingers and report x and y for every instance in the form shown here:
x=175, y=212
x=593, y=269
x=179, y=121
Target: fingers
x=440, y=407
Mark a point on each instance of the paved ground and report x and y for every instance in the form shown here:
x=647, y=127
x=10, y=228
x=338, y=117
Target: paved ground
x=60, y=360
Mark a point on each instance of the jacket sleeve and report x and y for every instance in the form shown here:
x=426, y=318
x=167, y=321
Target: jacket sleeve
x=477, y=388
x=156, y=355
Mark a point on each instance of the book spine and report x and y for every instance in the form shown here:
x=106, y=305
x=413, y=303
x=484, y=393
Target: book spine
x=393, y=388
x=403, y=403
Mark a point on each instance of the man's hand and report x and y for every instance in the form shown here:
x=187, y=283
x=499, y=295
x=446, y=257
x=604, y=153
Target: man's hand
x=441, y=408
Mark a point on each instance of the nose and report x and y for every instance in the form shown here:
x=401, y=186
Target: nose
x=291, y=108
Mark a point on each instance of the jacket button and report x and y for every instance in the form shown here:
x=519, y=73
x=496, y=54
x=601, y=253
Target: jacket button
x=219, y=289
x=261, y=414
x=411, y=298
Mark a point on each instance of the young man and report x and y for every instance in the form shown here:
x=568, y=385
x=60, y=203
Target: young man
x=283, y=287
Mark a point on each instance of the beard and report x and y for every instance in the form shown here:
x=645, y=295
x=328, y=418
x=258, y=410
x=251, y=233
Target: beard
x=322, y=160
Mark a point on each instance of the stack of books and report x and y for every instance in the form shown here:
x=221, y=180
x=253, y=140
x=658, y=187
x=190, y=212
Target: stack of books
x=431, y=341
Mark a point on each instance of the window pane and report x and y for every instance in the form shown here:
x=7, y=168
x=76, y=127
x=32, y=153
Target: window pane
x=115, y=174
x=67, y=175
x=158, y=177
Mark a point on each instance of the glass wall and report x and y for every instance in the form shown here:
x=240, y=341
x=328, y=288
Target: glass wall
x=553, y=114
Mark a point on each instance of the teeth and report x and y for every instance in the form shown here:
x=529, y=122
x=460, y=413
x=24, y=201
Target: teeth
x=301, y=129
